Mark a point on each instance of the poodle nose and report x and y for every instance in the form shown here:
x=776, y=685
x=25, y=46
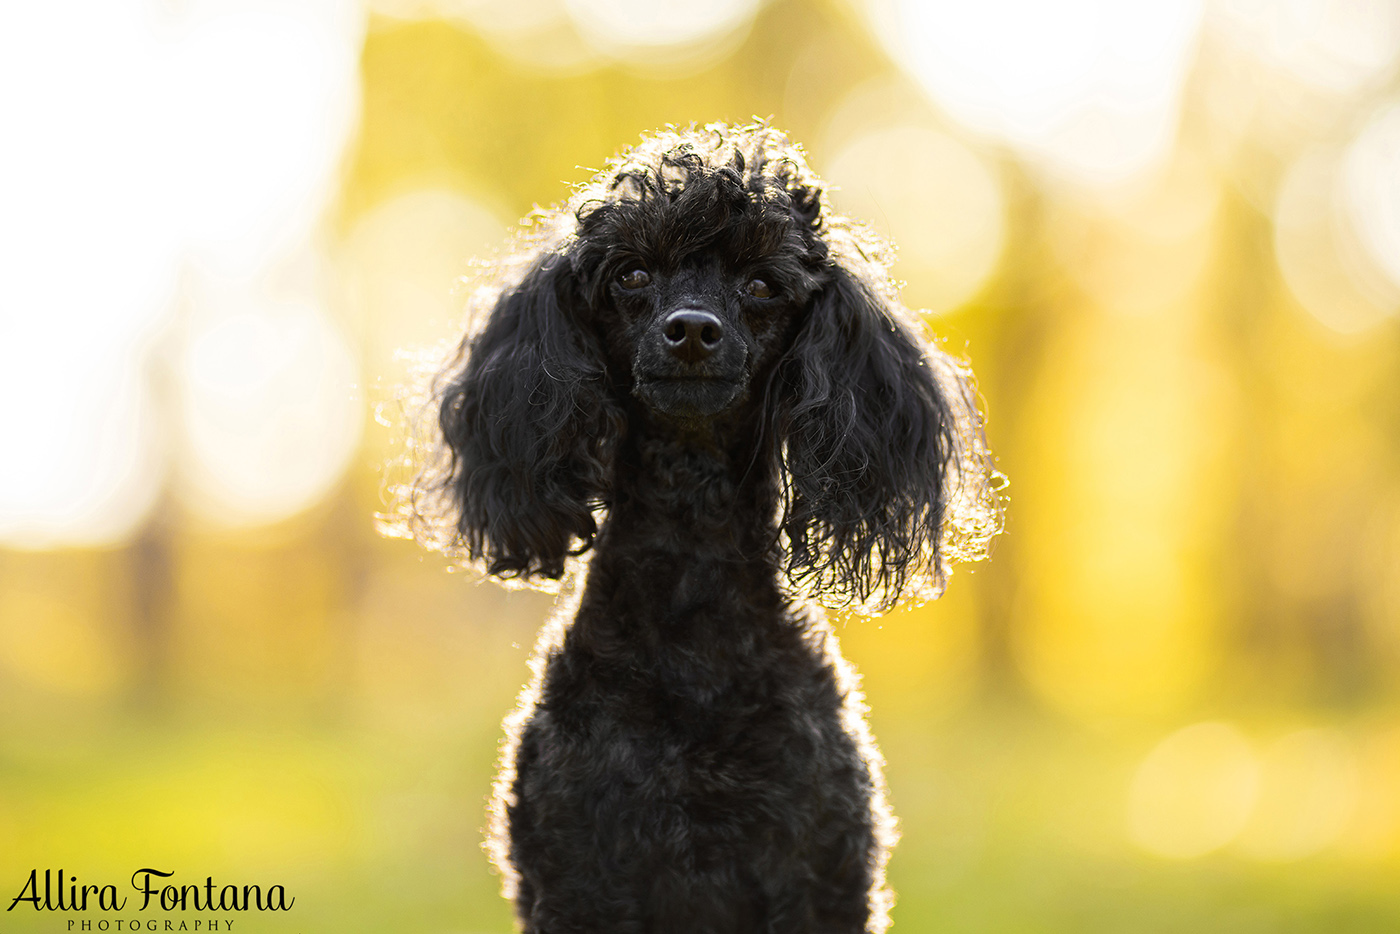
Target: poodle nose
x=692, y=335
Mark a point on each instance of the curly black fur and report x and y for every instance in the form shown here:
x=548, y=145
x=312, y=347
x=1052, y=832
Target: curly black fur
x=703, y=376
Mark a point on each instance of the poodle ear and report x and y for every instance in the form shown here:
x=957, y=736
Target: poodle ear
x=529, y=430
x=888, y=473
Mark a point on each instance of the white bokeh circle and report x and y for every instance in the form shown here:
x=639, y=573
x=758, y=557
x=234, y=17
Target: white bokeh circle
x=939, y=201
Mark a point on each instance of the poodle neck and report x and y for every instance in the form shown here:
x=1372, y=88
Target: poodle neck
x=693, y=490
x=686, y=560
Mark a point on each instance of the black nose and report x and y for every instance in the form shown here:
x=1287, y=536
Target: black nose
x=692, y=335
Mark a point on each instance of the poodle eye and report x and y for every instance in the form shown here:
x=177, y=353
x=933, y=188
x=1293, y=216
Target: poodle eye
x=758, y=289
x=634, y=279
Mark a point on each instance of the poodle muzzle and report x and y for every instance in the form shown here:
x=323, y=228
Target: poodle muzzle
x=691, y=363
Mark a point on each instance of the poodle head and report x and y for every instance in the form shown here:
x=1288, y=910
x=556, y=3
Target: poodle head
x=695, y=255
x=703, y=279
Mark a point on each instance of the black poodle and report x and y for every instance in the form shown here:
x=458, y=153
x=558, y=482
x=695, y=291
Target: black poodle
x=699, y=373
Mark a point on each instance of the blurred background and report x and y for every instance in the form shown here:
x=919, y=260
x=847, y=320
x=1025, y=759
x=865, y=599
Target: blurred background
x=1166, y=233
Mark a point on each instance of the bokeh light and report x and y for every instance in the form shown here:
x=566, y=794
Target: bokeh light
x=1318, y=252
x=1374, y=830
x=206, y=162
x=1307, y=795
x=937, y=200
x=659, y=32
x=405, y=264
x=88, y=253
x=1090, y=88
x=1194, y=792
x=1336, y=45
x=1371, y=170
x=571, y=36
x=269, y=411
x=1141, y=249
x=84, y=464
x=256, y=149
x=537, y=34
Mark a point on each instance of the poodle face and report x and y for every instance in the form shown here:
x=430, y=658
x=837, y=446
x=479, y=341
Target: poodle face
x=703, y=279
x=697, y=336
x=690, y=312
